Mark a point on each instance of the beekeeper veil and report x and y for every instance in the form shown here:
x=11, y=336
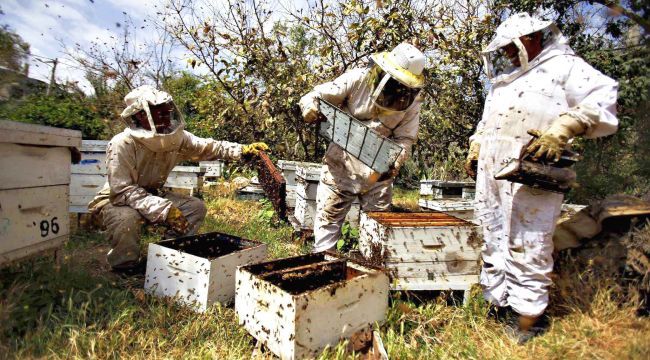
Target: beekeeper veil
x=498, y=66
x=397, y=77
x=162, y=128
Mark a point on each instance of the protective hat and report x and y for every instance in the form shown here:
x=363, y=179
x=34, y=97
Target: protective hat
x=141, y=99
x=497, y=67
x=405, y=64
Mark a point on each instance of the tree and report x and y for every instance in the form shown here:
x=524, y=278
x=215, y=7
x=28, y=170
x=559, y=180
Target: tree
x=14, y=52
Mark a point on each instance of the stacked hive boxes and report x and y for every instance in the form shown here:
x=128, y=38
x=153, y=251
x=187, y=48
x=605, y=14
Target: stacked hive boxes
x=422, y=250
x=89, y=176
x=34, y=188
x=451, y=197
x=307, y=178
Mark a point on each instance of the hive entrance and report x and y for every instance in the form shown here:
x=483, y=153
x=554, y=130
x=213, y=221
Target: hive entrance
x=210, y=245
x=304, y=273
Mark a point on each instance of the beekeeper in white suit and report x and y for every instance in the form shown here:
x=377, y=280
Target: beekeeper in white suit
x=385, y=96
x=138, y=161
x=537, y=83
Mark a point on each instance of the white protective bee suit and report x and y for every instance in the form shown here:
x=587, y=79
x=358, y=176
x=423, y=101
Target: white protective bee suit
x=518, y=221
x=138, y=162
x=343, y=177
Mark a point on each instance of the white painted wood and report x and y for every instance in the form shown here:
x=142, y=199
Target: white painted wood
x=94, y=146
x=306, y=189
x=430, y=253
x=251, y=192
x=32, y=215
x=212, y=169
x=305, y=212
x=462, y=282
x=185, y=177
x=23, y=166
x=31, y=134
x=438, y=189
x=197, y=281
x=83, y=188
x=35, y=249
x=460, y=208
x=288, y=168
x=308, y=172
x=92, y=163
x=298, y=326
x=187, y=169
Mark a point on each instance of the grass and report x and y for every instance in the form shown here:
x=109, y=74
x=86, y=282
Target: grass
x=84, y=311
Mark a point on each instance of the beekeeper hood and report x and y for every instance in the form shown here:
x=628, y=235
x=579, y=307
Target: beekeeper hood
x=165, y=123
x=497, y=64
x=398, y=77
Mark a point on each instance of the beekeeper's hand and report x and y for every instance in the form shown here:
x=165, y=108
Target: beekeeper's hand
x=553, y=141
x=472, y=159
x=310, y=113
x=253, y=149
x=177, y=221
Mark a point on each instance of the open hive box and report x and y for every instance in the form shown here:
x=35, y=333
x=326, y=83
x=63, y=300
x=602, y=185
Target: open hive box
x=298, y=306
x=199, y=270
x=422, y=250
x=439, y=189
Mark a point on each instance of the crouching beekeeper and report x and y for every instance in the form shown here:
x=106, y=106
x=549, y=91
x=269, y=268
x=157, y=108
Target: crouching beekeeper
x=539, y=86
x=385, y=96
x=138, y=161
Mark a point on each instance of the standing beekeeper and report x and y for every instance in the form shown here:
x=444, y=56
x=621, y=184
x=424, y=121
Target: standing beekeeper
x=138, y=161
x=537, y=83
x=385, y=96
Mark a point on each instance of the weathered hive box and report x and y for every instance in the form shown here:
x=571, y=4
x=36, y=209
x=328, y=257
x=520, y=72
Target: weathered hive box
x=298, y=306
x=199, y=270
x=252, y=191
x=34, y=188
x=422, y=250
x=186, y=177
x=457, y=207
x=307, y=179
x=438, y=189
x=288, y=169
x=89, y=176
x=211, y=169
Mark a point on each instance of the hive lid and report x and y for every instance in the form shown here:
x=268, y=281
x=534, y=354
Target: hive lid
x=417, y=219
x=31, y=134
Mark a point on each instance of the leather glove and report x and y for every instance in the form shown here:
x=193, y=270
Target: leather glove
x=177, y=221
x=310, y=114
x=550, y=144
x=253, y=149
x=472, y=159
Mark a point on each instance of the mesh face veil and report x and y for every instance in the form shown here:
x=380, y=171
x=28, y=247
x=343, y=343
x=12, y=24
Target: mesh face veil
x=390, y=94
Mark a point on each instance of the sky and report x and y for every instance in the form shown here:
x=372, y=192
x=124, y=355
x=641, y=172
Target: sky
x=46, y=24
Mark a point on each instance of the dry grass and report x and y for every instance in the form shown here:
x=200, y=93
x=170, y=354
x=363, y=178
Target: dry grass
x=84, y=312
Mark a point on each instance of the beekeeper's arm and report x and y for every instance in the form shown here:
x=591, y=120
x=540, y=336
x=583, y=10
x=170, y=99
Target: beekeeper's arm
x=124, y=189
x=195, y=148
x=334, y=91
x=406, y=133
x=591, y=97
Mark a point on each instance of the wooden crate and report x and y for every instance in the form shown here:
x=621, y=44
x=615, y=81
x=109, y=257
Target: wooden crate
x=439, y=189
x=186, y=177
x=357, y=139
x=34, y=182
x=298, y=306
x=422, y=250
x=89, y=176
x=199, y=270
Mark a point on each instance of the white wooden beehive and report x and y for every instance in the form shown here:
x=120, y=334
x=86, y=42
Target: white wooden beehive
x=199, y=270
x=439, y=189
x=298, y=306
x=422, y=250
x=211, y=169
x=186, y=177
x=34, y=188
x=457, y=207
x=89, y=176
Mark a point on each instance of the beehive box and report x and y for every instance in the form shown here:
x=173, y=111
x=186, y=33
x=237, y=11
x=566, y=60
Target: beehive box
x=199, y=270
x=34, y=188
x=457, y=207
x=307, y=179
x=422, y=250
x=298, y=306
x=438, y=189
x=211, y=169
x=89, y=176
x=357, y=139
x=186, y=177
